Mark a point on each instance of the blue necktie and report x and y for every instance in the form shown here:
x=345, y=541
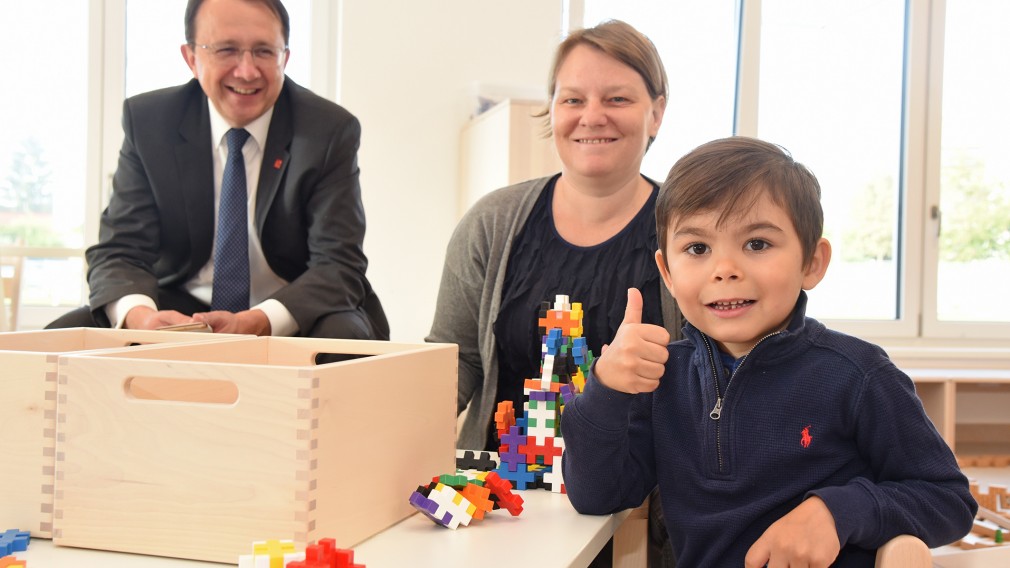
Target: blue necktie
x=231, y=251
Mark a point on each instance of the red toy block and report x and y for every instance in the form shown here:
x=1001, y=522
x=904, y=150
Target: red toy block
x=325, y=554
x=502, y=489
x=547, y=451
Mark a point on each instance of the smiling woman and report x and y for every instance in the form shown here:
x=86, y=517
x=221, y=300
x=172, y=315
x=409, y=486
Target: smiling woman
x=587, y=232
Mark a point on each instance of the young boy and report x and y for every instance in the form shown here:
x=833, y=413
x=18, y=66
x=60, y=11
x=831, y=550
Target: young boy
x=774, y=441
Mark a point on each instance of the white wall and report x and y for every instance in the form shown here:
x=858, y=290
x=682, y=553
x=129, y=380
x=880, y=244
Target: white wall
x=406, y=71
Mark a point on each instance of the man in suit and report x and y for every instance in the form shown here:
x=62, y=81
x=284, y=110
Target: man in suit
x=304, y=224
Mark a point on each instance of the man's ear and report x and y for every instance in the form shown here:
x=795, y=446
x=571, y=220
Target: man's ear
x=664, y=271
x=190, y=57
x=814, y=272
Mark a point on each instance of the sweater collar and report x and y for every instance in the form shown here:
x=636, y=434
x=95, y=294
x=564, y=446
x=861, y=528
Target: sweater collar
x=786, y=342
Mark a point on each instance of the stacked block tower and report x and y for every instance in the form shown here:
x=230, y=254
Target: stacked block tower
x=531, y=444
x=530, y=449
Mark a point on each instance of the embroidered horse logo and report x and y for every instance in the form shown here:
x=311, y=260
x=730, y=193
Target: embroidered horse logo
x=805, y=437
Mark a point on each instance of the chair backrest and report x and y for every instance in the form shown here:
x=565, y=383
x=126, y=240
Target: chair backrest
x=904, y=551
x=10, y=291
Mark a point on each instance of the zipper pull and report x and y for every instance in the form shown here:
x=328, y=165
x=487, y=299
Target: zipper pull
x=717, y=411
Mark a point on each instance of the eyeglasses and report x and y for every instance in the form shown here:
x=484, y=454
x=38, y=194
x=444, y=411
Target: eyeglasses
x=224, y=54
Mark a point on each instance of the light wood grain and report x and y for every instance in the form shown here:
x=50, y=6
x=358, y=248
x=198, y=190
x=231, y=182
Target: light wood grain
x=28, y=371
x=304, y=452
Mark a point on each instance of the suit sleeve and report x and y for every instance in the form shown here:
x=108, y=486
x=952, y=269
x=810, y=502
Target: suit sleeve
x=128, y=236
x=329, y=200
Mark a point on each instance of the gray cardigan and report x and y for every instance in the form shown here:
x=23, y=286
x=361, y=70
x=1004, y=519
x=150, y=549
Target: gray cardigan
x=469, y=298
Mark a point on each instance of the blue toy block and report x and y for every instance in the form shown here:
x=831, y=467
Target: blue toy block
x=520, y=478
x=13, y=540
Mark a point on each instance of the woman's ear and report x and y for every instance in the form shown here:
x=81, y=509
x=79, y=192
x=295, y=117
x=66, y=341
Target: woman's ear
x=814, y=272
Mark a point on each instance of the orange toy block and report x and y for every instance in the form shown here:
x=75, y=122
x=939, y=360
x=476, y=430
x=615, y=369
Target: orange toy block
x=504, y=417
x=558, y=319
x=480, y=497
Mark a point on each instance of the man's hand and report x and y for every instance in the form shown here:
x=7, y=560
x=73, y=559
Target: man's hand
x=143, y=317
x=636, y=359
x=251, y=322
x=805, y=537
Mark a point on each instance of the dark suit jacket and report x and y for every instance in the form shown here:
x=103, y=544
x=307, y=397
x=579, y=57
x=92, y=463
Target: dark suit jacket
x=158, y=229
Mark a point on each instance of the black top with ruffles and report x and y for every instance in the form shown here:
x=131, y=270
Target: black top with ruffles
x=542, y=265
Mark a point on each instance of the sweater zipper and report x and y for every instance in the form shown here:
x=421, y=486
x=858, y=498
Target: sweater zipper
x=716, y=412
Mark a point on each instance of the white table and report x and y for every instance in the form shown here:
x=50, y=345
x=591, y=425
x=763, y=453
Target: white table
x=980, y=558
x=548, y=533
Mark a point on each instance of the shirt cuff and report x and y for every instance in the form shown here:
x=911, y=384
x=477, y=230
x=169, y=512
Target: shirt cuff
x=282, y=323
x=123, y=306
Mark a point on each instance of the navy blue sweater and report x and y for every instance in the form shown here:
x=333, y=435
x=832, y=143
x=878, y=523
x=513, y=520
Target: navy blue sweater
x=808, y=411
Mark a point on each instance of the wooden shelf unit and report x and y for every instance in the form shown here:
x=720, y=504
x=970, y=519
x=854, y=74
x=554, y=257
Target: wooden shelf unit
x=504, y=145
x=969, y=407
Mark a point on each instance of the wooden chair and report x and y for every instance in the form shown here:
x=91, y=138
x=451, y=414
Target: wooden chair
x=904, y=551
x=10, y=291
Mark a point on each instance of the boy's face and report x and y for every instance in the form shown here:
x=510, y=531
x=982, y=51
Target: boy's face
x=739, y=282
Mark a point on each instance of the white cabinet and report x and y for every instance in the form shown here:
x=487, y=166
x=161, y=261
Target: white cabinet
x=504, y=145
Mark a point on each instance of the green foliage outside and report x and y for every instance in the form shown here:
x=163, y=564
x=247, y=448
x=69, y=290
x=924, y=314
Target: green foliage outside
x=975, y=222
x=26, y=199
x=25, y=188
x=30, y=232
x=872, y=237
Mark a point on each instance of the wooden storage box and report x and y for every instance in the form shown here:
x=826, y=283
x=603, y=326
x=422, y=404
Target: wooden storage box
x=28, y=369
x=195, y=451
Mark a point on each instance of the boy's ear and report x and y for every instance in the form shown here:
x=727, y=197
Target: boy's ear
x=814, y=272
x=664, y=272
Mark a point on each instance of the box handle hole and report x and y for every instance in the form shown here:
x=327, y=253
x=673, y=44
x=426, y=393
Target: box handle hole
x=208, y=391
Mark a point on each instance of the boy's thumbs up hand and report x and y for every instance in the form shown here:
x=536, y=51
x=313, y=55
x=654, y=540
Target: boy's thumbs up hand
x=635, y=360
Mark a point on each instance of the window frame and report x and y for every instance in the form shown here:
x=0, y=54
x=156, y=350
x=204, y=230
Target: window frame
x=918, y=231
x=920, y=184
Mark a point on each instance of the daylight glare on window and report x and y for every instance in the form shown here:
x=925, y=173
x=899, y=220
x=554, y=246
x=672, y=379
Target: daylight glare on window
x=831, y=93
x=974, y=251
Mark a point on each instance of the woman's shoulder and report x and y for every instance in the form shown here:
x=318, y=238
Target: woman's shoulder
x=505, y=203
x=514, y=195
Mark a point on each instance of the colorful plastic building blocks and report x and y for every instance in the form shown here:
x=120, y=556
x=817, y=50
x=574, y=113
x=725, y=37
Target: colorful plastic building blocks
x=270, y=554
x=480, y=461
x=325, y=554
x=530, y=449
x=530, y=443
x=281, y=554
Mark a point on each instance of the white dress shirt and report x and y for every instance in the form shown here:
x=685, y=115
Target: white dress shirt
x=263, y=280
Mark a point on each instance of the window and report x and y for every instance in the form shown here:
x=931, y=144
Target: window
x=973, y=218
x=834, y=101
x=43, y=154
x=77, y=62
x=916, y=197
x=43, y=151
